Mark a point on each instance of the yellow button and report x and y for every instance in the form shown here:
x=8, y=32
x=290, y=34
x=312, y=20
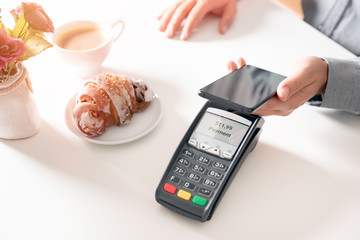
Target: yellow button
x=184, y=195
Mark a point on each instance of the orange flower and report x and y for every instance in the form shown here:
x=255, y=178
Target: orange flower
x=10, y=48
x=36, y=17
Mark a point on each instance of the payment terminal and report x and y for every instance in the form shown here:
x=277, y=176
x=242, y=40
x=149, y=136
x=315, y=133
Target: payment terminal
x=209, y=156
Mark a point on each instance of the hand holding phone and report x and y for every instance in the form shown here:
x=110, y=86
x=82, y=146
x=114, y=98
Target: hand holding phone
x=245, y=89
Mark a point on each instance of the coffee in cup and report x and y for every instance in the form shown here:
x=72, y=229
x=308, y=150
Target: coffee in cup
x=84, y=45
x=79, y=39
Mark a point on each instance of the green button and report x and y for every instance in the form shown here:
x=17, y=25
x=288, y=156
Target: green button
x=199, y=201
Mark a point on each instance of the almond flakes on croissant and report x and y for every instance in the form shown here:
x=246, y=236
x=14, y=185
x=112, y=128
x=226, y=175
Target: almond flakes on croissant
x=108, y=99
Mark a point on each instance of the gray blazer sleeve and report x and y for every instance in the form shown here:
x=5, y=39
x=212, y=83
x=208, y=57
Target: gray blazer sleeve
x=339, y=20
x=343, y=85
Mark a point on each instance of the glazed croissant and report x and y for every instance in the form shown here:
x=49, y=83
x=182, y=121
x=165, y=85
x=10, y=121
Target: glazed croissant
x=109, y=99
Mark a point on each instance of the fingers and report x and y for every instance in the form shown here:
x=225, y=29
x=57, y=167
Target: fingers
x=173, y=16
x=277, y=107
x=308, y=77
x=166, y=16
x=231, y=65
x=241, y=62
x=193, y=11
x=195, y=15
x=183, y=11
x=227, y=17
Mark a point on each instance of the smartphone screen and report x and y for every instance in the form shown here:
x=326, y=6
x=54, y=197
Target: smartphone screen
x=245, y=89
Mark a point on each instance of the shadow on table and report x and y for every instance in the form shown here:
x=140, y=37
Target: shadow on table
x=113, y=167
x=275, y=195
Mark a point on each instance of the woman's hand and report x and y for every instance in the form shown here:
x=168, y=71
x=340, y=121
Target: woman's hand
x=307, y=78
x=193, y=11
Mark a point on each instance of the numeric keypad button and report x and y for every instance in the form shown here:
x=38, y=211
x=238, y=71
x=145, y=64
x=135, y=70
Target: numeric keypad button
x=199, y=169
x=203, y=160
x=188, y=153
x=184, y=162
x=219, y=165
x=194, y=177
x=190, y=186
x=210, y=183
x=214, y=174
x=204, y=191
x=179, y=171
x=174, y=179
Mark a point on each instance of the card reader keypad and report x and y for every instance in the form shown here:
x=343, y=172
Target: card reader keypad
x=195, y=176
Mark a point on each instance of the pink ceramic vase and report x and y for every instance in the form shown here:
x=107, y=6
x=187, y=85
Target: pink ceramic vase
x=19, y=115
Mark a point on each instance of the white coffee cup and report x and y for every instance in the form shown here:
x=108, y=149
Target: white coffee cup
x=84, y=45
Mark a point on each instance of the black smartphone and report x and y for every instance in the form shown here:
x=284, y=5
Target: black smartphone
x=245, y=89
x=207, y=160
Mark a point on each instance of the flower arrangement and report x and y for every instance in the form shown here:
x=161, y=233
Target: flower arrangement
x=26, y=39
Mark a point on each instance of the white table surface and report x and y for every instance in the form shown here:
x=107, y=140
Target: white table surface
x=302, y=181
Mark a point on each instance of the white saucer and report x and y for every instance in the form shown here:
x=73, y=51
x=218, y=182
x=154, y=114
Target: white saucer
x=141, y=124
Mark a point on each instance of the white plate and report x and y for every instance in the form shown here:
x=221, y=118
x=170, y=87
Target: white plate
x=141, y=124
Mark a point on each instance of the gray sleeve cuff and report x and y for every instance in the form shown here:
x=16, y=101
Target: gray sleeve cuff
x=343, y=85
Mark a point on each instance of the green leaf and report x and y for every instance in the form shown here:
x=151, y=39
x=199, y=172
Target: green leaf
x=34, y=45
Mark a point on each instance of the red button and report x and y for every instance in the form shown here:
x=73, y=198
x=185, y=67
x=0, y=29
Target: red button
x=170, y=188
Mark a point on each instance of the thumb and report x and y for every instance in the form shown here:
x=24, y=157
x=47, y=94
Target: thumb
x=288, y=87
